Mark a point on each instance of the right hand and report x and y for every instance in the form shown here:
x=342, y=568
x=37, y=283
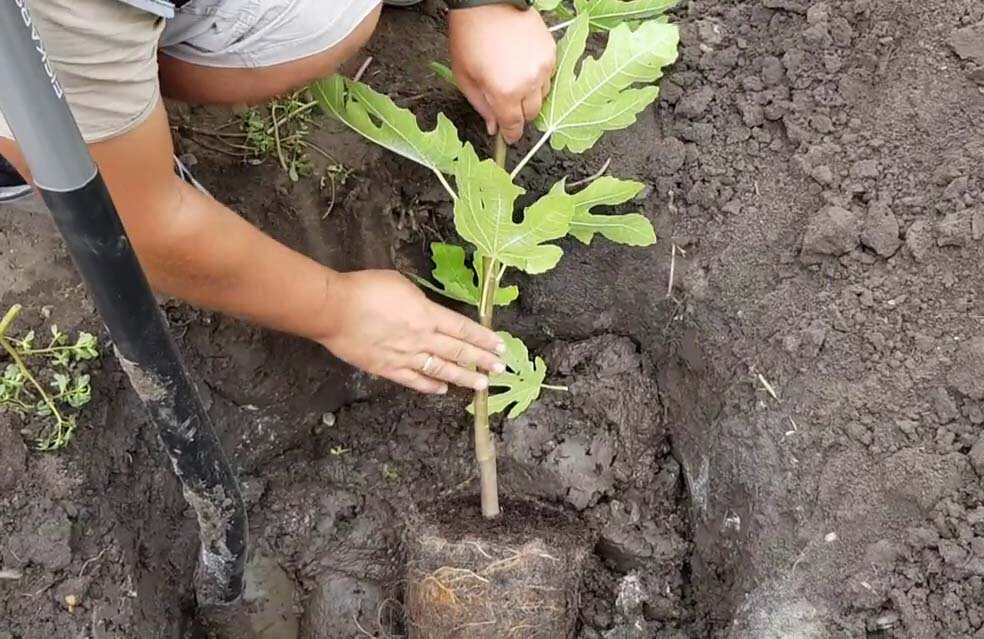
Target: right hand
x=383, y=324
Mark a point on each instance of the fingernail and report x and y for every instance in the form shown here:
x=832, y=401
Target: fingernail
x=500, y=347
x=499, y=368
x=482, y=384
x=443, y=390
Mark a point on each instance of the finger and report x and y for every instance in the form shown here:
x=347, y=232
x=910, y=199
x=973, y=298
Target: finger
x=460, y=327
x=509, y=116
x=418, y=382
x=441, y=369
x=464, y=354
x=545, y=89
x=480, y=102
x=532, y=104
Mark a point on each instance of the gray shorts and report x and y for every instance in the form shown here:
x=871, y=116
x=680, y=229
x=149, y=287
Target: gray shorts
x=105, y=51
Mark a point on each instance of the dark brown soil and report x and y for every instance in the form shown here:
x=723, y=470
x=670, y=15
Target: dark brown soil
x=461, y=517
x=819, y=165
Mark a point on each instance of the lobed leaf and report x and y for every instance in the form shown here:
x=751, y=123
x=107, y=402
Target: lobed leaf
x=600, y=96
x=605, y=15
x=483, y=215
x=632, y=228
x=523, y=379
x=378, y=118
x=458, y=281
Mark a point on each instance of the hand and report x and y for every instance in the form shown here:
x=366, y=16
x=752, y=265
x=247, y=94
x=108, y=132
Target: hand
x=503, y=59
x=384, y=325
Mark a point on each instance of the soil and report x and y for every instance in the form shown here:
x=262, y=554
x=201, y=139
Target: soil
x=787, y=445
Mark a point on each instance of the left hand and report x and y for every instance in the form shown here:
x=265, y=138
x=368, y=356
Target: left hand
x=503, y=59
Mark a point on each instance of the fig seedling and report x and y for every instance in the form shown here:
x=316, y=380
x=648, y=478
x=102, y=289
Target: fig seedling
x=589, y=97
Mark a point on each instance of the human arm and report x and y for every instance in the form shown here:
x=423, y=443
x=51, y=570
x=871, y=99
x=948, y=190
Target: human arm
x=196, y=249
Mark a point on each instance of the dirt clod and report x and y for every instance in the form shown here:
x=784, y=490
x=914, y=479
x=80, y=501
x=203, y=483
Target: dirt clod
x=965, y=373
x=968, y=42
x=831, y=231
x=881, y=230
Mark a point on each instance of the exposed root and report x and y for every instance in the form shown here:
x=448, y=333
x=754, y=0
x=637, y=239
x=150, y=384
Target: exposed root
x=512, y=592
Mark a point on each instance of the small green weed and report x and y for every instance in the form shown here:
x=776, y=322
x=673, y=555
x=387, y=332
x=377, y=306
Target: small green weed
x=390, y=474
x=280, y=130
x=42, y=379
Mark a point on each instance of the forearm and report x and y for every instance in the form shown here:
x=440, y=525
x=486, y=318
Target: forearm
x=205, y=254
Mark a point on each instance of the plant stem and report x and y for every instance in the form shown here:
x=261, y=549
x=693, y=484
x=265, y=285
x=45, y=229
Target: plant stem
x=501, y=151
x=444, y=183
x=8, y=319
x=562, y=389
x=562, y=25
x=301, y=110
x=26, y=372
x=276, y=137
x=484, y=444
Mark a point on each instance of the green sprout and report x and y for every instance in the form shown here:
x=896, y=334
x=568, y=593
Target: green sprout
x=56, y=396
x=590, y=96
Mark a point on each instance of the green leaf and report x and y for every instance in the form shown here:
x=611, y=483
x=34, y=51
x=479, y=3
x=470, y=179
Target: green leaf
x=377, y=117
x=608, y=14
x=546, y=6
x=27, y=342
x=444, y=72
x=523, y=380
x=12, y=375
x=460, y=282
x=60, y=381
x=632, y=229
x=600, y=96
x=86, y=346
x=483, y=215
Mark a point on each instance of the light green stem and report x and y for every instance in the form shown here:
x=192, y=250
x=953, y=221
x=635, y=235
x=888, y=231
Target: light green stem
x=8, y=319
x=529, y=156
x=484, y=444
x=562, y=389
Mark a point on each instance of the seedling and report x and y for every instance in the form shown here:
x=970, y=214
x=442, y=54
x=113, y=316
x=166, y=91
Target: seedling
x=590, y=96
x=58, y=394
